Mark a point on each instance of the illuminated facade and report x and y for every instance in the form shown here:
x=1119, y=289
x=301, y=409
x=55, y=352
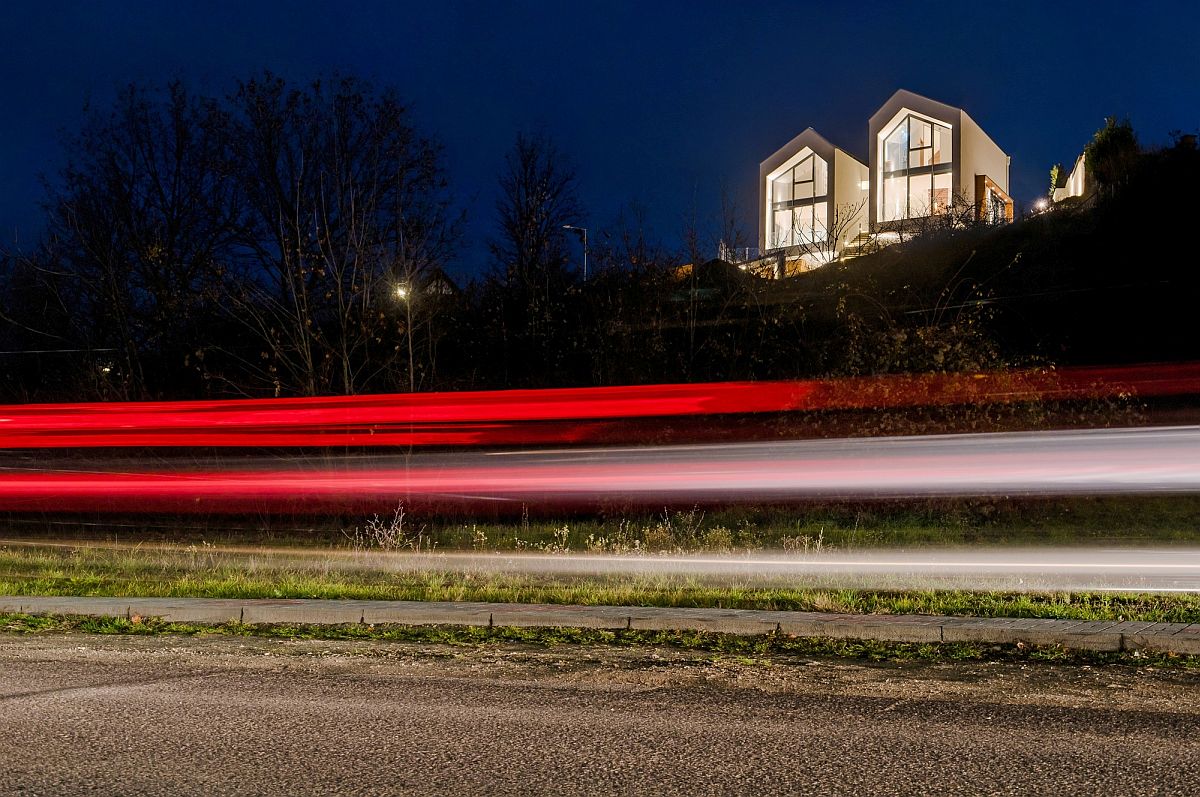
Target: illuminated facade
x=926, y=159
x=1076, y=184
x=813, y=200
x=929, y=159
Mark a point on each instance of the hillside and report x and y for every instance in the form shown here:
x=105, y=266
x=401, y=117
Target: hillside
x=1113, y=280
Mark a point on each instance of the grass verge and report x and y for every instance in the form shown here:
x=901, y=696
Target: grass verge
x=92, y=572
x=815, y=525
x=444, y=587
x=765, y=646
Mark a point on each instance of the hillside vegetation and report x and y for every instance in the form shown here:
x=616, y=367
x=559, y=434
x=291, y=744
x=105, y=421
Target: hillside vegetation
x=188, y=255
x=1111, y=280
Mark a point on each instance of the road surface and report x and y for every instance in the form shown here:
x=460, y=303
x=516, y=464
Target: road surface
x=114, y=715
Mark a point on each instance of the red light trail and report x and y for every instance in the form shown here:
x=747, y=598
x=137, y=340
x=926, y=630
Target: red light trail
x=1034, y=463
x=1097, y=461
x=528, y=417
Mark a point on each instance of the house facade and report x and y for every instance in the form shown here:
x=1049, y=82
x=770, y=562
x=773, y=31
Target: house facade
x=1076, y=184
x=926, y=159
x=812, y=202
x=929, y=159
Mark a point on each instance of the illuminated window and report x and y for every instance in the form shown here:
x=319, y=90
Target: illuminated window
x=995, y=208
x=799, y=212
x=917, y=164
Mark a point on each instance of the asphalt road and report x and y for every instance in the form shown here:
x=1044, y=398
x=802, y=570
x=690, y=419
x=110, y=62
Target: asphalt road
x=107, y=715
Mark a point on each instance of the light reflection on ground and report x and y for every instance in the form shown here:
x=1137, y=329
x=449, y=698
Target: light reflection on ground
x=1142, y=569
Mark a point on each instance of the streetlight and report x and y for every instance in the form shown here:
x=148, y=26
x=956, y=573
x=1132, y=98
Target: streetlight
x=403, y=293
x=583, y=231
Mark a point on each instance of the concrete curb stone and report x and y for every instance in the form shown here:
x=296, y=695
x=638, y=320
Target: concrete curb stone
x=1180, y=638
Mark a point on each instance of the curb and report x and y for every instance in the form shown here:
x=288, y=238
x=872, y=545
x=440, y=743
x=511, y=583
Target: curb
x=1110, y=637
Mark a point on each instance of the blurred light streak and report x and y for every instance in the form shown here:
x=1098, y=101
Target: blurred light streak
x=557, y=416
x=1122, y=461
x=1073, y=568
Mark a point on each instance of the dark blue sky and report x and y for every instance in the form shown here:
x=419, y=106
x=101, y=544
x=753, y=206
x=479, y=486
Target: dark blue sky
x=655, y=102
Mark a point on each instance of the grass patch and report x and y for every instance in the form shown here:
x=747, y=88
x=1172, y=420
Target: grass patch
x=100, y=572
x=825, y=525
x=746, y=648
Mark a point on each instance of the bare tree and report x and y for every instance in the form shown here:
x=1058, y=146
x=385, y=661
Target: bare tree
x=137, y=226
x=820, y=244
x=538, y=197
x=623, y=318
x=961, y=215
x=347, y=217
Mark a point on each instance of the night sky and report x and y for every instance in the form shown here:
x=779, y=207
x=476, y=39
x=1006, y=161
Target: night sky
x=659, y=103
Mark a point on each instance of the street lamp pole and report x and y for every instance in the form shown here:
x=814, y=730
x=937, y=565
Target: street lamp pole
x=583, y=231
x=403, y=291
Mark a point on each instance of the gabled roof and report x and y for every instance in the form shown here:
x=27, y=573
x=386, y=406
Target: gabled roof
x=914, y=102
x=809, y=138
x=436, y=281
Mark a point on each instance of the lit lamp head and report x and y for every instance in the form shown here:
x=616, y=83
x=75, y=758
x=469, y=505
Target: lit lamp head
x=402, y=291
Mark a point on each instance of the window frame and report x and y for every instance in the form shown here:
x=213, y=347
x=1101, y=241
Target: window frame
x=795, y=205
x=923, y=174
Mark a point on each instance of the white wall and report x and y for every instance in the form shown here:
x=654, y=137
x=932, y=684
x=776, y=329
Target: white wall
x=978, y=154
x=767, y=238
x=849, y=177
x=1076, y=183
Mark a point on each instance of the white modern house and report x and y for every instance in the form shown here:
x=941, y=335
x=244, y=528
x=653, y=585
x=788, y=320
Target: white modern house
x=1076, y=184
x=813, y=200
x=818, y=203
x=929, y=158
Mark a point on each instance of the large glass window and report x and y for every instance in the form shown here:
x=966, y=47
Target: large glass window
x=781, y=230
x=996, y=208
x=917, y=156
x=895, y=197
x=942, y=190
x=920, y=142
x=943, y=145
x=809, y=222
x=781, y=189
x=895, y=150
x=798, y=211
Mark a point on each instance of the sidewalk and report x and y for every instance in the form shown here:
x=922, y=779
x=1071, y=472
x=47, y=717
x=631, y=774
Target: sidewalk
x=1181, y=638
